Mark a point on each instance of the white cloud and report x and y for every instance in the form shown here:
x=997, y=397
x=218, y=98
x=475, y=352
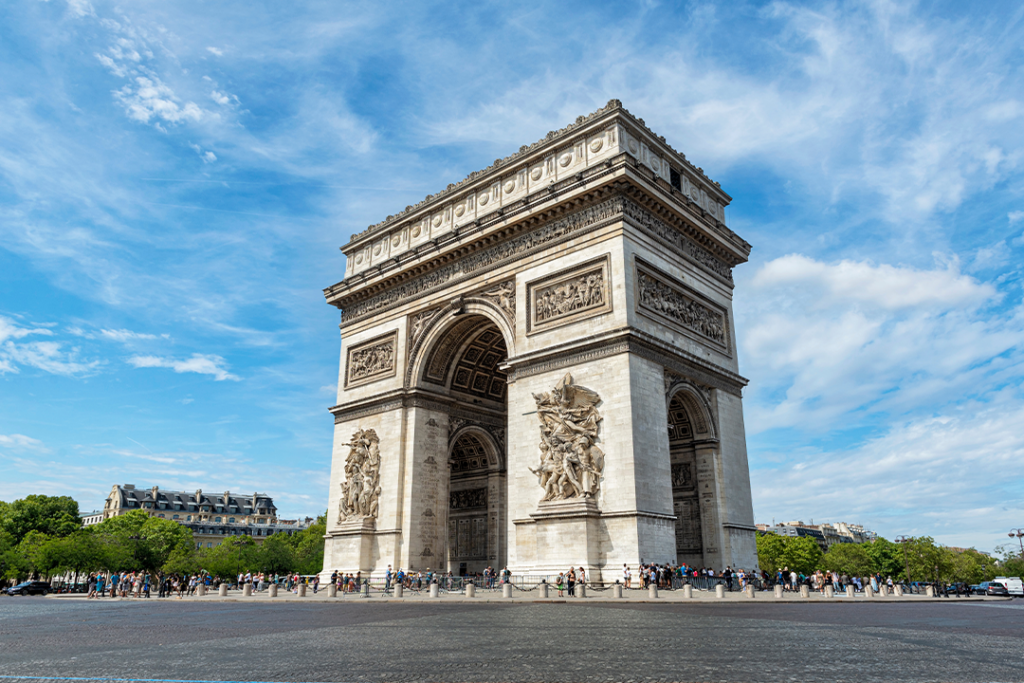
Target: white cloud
x=219, y=97
x=81, y=8
x=48, y=356
x=204, y=364
x=207, y=157
x=148, y=98
x=216, y=51
x=119, y=335
x=22, y=442
x=825, y=344
x=957, y=476
x=1015, y=216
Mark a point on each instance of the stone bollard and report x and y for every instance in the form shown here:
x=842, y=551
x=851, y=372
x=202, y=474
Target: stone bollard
x=652, y=591
x=273, y=590
x=542, y=589
x=223, y=591
x=470, y=590
x=929, y=591
x=778, y=591
x=898, y=590
x=749, y=590
x=302, y=590
x=332, y=590
x=805, y=591
x=247, y=590
x=869, y=592
x=506, y=590
x=883, y=591
x=830, y=592
x=851, y=592
x=200, y=590
x=581, y=590
x=688, y=592
x=719, y=591
x=399, y=590
x=617, y=590
x=433, y=589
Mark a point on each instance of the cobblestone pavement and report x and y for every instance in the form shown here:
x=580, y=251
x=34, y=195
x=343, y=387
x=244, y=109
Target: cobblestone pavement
x=205, y=640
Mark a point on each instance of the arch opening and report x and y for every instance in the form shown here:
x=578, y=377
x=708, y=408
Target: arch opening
x=685, y=494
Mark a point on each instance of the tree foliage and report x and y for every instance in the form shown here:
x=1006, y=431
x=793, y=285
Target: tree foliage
x=852, y=559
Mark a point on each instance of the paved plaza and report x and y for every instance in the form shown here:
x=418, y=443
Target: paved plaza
x=583, y=640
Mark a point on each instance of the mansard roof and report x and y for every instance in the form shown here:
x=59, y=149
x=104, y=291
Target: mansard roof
x=129, y=493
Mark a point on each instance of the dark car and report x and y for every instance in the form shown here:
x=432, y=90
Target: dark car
x=991, y=588
x=30, y=588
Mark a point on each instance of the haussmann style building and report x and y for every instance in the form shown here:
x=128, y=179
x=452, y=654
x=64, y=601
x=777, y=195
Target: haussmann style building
x=538, y=369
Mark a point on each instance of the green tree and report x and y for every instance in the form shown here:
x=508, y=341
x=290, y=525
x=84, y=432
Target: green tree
x=50, y=515
x=309, y=548
x=927, y=561
x=802, y=554
x=34, y=548
x=847, y=558
x=137, y=541
x=886, y=558
x=770, y=550
x=277, y=555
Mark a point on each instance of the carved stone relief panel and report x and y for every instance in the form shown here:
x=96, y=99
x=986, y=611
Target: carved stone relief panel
x=418, y=323
x=663, y=298
x=504, y=296
x=372, y=360
x=361, y=489
x=468, y=499
x=570, y=295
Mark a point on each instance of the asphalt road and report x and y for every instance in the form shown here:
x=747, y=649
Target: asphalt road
x=233, y=641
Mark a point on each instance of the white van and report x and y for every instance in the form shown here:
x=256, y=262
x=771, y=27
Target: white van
x=1014, y=586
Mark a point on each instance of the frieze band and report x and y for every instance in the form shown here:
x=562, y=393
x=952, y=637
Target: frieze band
x=372, y=360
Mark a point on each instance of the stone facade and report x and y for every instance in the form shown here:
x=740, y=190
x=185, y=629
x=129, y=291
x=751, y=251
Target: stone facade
x=212, y=517
x=545, y=356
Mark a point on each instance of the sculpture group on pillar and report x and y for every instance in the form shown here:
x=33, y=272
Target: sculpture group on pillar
x=361, y=489
x=571, y=463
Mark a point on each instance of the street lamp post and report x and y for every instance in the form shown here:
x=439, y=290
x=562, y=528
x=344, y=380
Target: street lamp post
x=903, y=541
x=1019, y=533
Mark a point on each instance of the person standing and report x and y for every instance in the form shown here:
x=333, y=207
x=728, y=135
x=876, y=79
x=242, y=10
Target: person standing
x=570, y=582
x=627, y=577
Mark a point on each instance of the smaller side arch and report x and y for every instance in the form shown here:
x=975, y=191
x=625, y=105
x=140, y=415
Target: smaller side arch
x=490, y=446
x=702, y=418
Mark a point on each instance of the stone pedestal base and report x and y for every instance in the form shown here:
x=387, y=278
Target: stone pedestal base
x=567, y=534
x=349, y=548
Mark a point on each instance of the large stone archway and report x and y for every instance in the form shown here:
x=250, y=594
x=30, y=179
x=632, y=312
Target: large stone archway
x=562, y=319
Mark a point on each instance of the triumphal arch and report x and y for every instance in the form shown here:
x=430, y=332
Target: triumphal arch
x=539, y=369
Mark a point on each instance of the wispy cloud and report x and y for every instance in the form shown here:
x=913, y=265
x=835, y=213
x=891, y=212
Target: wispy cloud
x=49, y=356
x=19, y=442
x=203, y=364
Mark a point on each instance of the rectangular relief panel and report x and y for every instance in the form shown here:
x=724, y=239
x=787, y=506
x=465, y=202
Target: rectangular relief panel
x=372, y=360
x=570, y=295
x=665, y=299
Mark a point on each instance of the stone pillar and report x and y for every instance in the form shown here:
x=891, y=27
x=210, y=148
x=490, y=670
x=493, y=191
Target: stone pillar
x=200, y=590
x=829, y=591
x=869, y=592
x=688, y=591
x=399, y=590
x=332, y=590
x=542, y=589
x=433, y=589
x=805, y=592
x=581, y=590
x=749, y=590
x=851, y=592
x=617, y=590
x=506, y=590
x=470, y=590
x=778, y=591
x=273, y=590
x=898, y=589
x=652, y=590
x=302, y=590
x=247, y=590
x=223, y=591
x=883, y=591
x=929, y=591
x=719, y=590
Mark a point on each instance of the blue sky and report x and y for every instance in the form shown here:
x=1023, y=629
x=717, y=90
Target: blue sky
x=176, y=179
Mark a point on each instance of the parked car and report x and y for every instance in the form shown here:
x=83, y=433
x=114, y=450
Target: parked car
x=992, y=588
x=1012, y=584
x=30, y=588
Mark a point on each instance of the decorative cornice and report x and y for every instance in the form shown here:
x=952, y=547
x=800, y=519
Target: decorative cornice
x=549, y=140
x=418, y=398
x=627, y=340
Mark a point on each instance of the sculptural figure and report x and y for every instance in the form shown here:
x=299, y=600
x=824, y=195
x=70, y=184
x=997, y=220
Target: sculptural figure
x=360, y=490
x=571, y=464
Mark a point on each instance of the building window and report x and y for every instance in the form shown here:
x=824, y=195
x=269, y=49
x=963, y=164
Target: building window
x=209, y=545
x=217, y=519
x=189, y=518
x=232, y=520
x=174, y=517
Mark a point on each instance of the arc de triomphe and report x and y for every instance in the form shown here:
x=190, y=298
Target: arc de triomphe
x=539, y=369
